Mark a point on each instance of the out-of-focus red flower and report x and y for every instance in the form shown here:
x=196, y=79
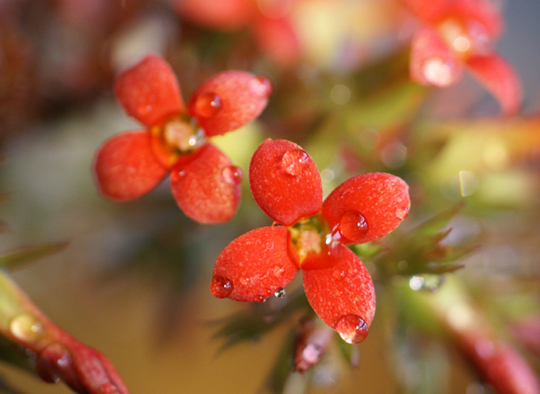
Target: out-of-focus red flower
x=311, y=236
x=458, y=34
x=205, y=184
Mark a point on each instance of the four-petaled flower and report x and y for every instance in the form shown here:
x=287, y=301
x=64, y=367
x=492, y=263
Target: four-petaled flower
x=205, y=184
x=457, y=34
x=311, y=235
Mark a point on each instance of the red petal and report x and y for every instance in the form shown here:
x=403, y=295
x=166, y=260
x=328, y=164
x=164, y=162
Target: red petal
x=427, y=11
x=278, y=39
x=481, y=11
x=255, y=265
x=285, y=181
x=367, y=207
x=125, y=167
x=499, y=77
x=149, y=91
x=433, y=62
x=207, y=187
x=343, y=296
x=222, y=15
x=229, y=100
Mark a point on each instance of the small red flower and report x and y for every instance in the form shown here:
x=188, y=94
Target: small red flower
x=457, y=34
x=204, y=182
x=286, y=184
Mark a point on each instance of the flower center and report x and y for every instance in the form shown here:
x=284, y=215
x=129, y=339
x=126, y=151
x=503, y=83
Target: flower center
x=178, y=136
x=316, y=245
x=467, y=38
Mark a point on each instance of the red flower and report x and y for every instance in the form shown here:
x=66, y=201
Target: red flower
x=457, y=34
x=204, y=182
x=286, y=184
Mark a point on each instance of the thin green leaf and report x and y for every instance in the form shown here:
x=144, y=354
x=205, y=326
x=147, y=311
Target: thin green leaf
x=27, y=254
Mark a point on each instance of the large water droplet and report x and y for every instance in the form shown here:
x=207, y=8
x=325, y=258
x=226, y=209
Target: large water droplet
x=280, y=293
x=53, y=362
x=402, y=213
x=26, y=327
x=232, y=175
x=353, y=226
x=294, y=161
x=207, y=105
x=426, y=282
x=261, y=86
x=352, y=329
x=221, y=287
x=278, y=270
x=338, y=274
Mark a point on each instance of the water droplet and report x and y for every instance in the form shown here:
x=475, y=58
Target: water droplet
x=181, y=173
x=261, y=87
x=233, y=175
x=108, y=388
x=439, y=72
x=427, y=282
x=278, y=271
x=352, y=329
x=269, y=245
x=338, y=274
x=221, y=287
x=402, y=213
x=26, y=327
x=353, y=226
x=294, y=161
x=207, y=105
x=280, y=293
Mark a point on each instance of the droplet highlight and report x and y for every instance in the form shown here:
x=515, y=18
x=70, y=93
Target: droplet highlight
x=233, y=175
x=280, y=293
x=352, y=329
x=294, y=161
x=207, y=105
x=261, y=87
x=353, y=226
x=427, y=282
x=26, y=327
x=221, y=287
x=402, y=213
x=439, y=72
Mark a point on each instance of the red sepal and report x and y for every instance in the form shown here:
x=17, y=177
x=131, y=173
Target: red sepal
x=381, y=199
x=149, y=91
x=222, y=15
x=433, y=62
x=343, y=296
x=125, y=167
x=285, y=182
x=207, y=186
x=229, y=100
x=255, y=265
x=500, y=78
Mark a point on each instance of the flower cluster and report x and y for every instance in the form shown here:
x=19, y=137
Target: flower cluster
x=311, y=235
x=458, y=34
x=205, y=184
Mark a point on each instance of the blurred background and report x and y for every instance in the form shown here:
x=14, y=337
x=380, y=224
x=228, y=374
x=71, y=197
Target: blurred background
x=133, y=281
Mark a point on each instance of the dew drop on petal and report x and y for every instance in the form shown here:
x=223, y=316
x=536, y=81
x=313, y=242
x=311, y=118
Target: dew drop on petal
x=207, y=105
x=269, y=245
x=280, y=293
x=221, y=287
x=232, y=175
x=402, y=213
x=278, y=271
x=338, y=274
x=108, y=388
x=427, y=282
x=26, y=327
x=353, y=225
x=261, y=87
x=294, y=161
x=438, y=72
x=352, y=328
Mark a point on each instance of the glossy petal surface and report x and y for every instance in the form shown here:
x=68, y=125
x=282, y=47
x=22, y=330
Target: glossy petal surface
x=341, y=294
x=241, y=97
x=125, y=167
x=204, y=187
x=432, y=61
x=285, y=181
x=254, y=266
x=381, y=199
x=500, y=79
x=149, y=91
